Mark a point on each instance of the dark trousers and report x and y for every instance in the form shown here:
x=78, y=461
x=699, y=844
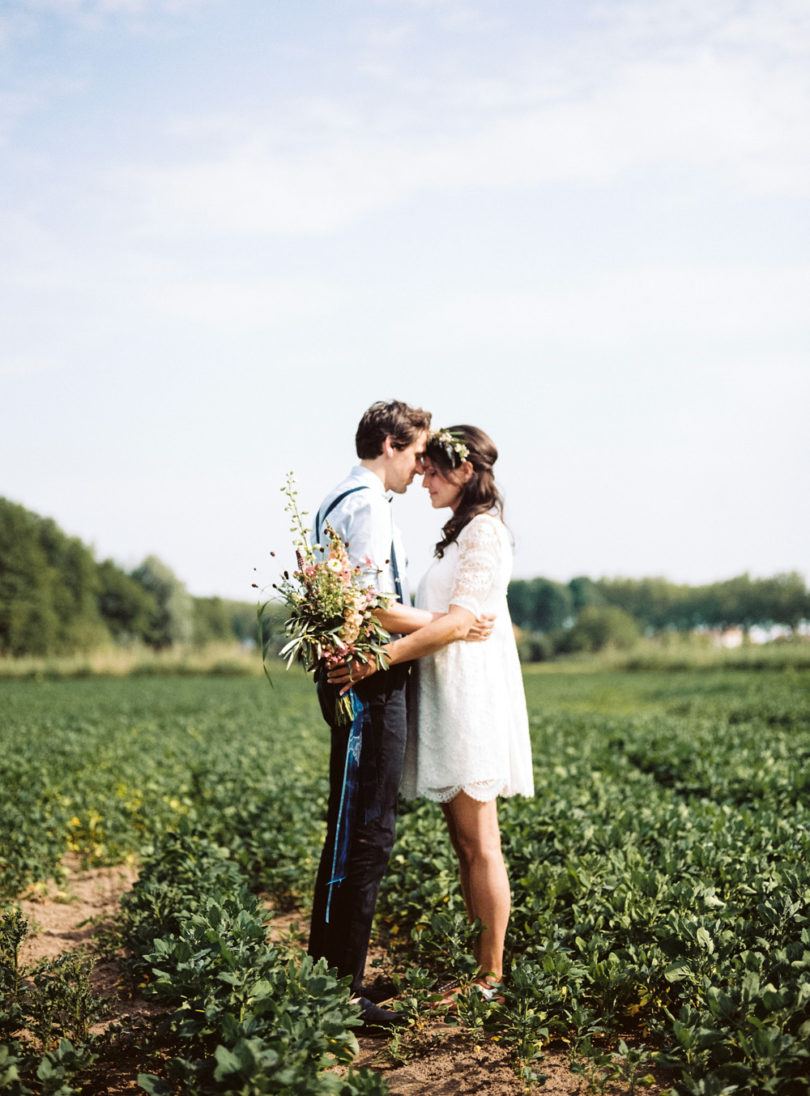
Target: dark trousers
x=343, y=941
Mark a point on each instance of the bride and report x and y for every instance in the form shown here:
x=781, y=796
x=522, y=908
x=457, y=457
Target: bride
x=468, y=739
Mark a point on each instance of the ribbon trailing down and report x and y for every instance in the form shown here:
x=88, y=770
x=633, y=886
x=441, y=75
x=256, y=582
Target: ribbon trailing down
x=348, y=797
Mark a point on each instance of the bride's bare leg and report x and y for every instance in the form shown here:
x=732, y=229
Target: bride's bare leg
x=464, y=871
x=477, y=839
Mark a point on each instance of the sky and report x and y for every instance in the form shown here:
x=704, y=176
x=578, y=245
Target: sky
x=228, y=226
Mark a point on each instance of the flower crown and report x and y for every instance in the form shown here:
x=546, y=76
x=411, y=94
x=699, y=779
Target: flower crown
x=455, y=449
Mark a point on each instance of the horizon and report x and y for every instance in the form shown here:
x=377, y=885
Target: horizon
x=259, y=594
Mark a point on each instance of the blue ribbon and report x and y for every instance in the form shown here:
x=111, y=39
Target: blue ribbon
x=348, y=795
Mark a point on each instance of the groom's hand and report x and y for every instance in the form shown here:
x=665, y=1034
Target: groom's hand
x=349, y=673
x=481, y=629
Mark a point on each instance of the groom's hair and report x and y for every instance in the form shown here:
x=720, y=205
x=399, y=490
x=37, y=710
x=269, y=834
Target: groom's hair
x=390, y=418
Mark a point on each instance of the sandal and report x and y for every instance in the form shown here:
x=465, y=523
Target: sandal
x=489, y=991
x=447, y=996
x=451, y=993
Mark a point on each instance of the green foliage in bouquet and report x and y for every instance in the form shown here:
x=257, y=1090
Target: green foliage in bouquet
x=331, y=603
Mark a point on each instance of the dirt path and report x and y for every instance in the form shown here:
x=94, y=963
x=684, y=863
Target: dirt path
x=438, y=1060
x=67, y=915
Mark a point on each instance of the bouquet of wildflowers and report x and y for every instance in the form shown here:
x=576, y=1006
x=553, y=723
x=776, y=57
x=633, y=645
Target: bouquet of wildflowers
x=331, y=605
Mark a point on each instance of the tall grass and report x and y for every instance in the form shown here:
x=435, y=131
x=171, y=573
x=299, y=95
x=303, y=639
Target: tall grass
x=217, y=658
x=675, y=652
x=683, y=652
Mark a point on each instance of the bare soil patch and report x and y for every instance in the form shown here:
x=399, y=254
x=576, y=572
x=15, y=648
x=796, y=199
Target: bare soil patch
x=67, y=915
x=437, y=1060
x=75, y=912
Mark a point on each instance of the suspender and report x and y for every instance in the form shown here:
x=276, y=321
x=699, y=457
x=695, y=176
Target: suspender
x=335, y=502
x=395, y=569
x=319, y=520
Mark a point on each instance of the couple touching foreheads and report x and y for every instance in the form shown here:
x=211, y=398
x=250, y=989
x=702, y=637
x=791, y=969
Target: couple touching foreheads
x=462, y=739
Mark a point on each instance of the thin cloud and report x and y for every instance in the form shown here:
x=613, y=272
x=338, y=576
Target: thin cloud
x=13, y=108
x=241, y=307
x=727, y=307
x=741, y=125
x=84, y=10
x=675, y=26
x=699, y=86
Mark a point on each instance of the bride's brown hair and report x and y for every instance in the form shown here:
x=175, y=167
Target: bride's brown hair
x=479, y=495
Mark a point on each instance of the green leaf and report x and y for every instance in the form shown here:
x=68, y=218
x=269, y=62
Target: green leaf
x=227, y=1063
x=705, y=940
x=153, y=1085
x=677, y=972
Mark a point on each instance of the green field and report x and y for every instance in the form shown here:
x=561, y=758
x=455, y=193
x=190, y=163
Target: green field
x=661, y=878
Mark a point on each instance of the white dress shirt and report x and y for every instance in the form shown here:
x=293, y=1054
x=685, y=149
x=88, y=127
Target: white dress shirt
x=364, y=521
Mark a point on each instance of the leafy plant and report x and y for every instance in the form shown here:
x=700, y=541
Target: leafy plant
x=46, y=1015
x=660, y=875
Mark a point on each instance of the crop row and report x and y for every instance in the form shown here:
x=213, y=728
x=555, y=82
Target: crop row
x=240, y=1017
x=660, y=875
x=98, y=768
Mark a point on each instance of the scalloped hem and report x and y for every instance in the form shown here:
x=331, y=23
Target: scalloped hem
x=482, y=790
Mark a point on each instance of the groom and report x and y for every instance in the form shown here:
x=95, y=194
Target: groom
x=390, y=442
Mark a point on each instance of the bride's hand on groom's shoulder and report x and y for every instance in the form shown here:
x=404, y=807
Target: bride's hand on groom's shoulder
x=481, y=630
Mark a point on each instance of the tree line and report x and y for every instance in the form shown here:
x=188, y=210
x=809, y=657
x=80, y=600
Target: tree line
x=55, y=598
x=590, y=614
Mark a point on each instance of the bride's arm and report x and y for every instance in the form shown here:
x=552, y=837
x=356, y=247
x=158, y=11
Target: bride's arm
x=443, y=629
x=479, y=554
x=446, y=628
x=405, y=619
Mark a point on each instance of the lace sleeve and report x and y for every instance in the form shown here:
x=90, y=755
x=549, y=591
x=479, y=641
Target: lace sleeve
x=479, y=550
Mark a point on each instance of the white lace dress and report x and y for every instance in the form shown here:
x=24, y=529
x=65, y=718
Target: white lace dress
x=468, y=728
